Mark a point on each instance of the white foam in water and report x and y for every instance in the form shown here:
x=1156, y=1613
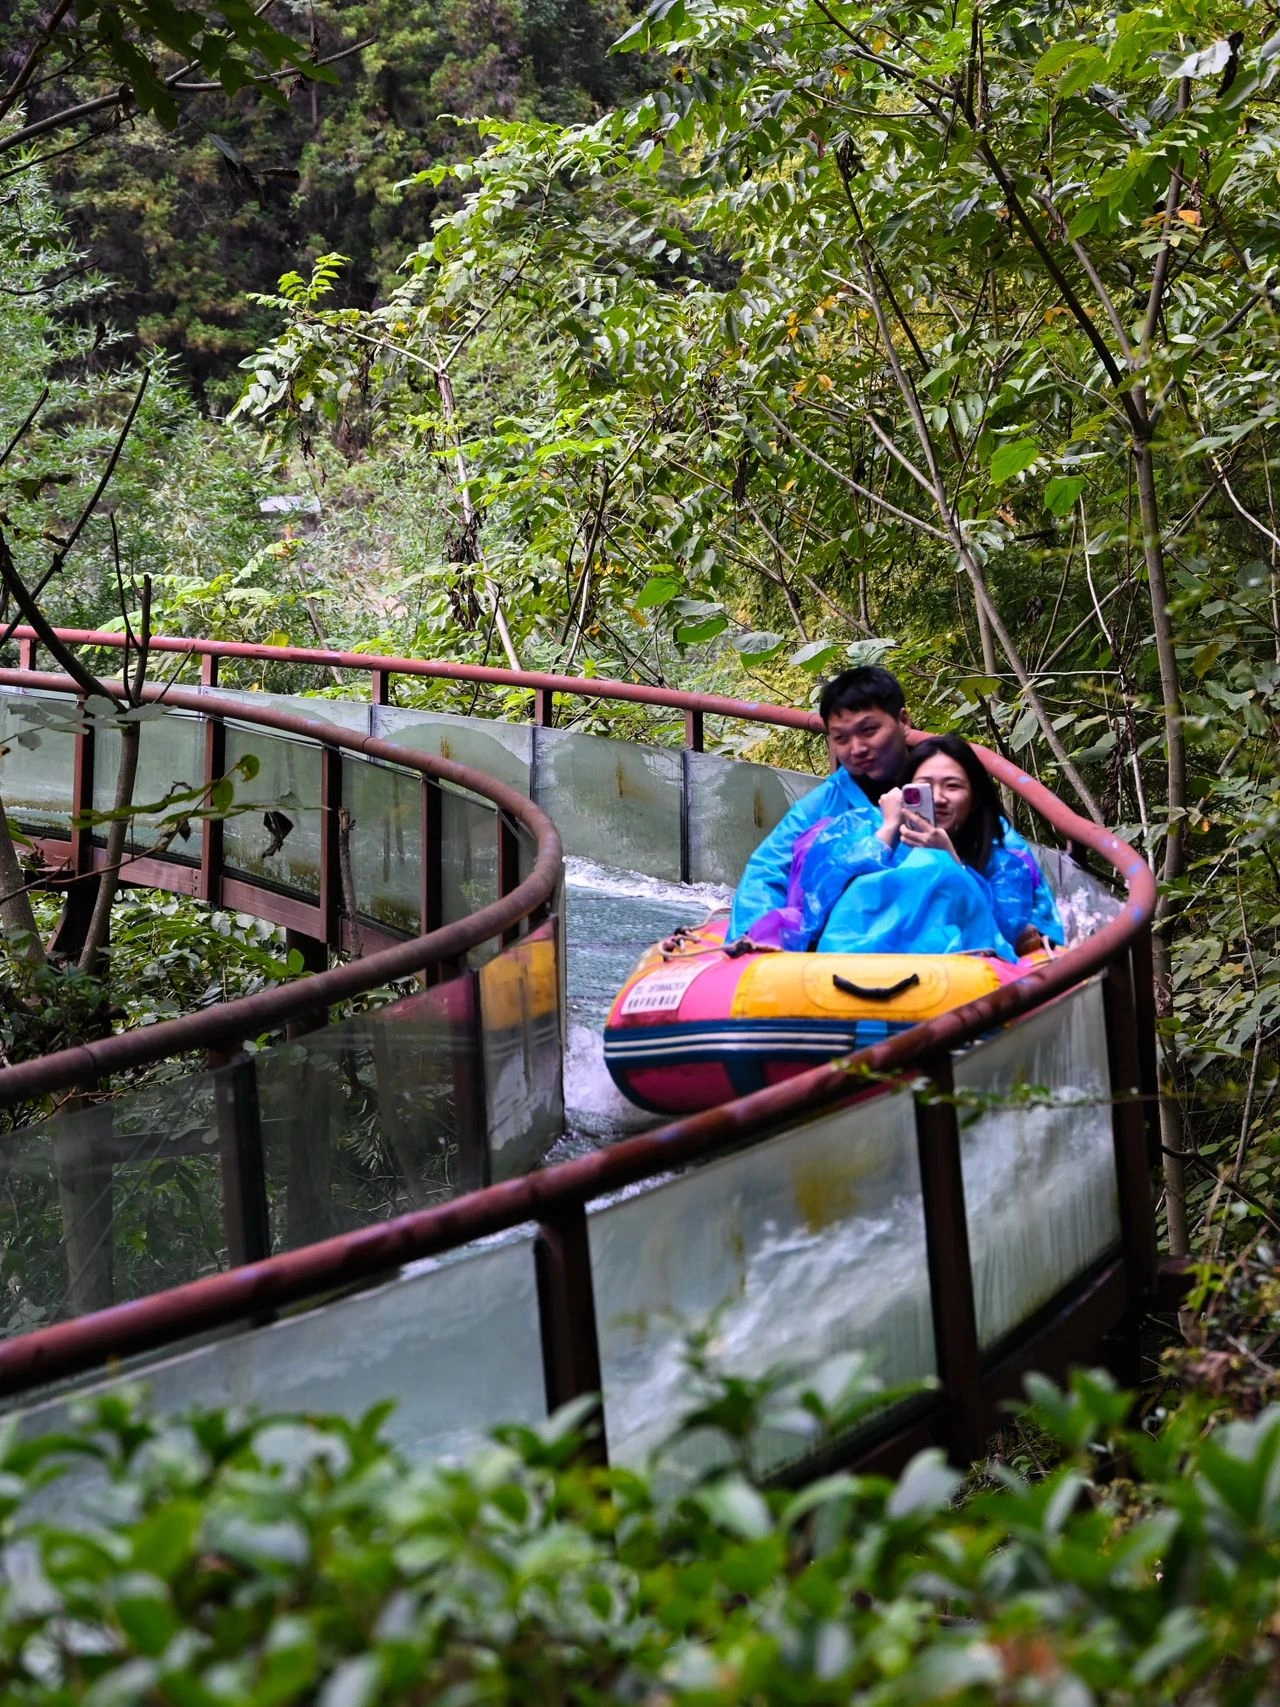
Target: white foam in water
x=609, y=880
x=611, y=917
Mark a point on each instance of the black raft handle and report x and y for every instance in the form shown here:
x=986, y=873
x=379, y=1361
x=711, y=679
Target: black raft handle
x=872, y=992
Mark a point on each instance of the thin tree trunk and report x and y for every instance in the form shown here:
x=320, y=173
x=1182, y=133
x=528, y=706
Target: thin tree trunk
x=1171, y=1124
x=16, y=911
x=117, y=836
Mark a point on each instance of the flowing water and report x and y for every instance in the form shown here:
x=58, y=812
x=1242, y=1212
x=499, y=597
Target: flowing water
x=611, y=917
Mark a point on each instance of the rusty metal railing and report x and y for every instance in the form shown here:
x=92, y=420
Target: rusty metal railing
x=973, y=1384
x=381, y=671
x=439, y=950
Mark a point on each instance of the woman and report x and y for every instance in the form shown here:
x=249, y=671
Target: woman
x=950, y=887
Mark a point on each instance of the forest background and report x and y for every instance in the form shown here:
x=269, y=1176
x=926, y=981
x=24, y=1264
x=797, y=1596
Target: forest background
x=783, y=337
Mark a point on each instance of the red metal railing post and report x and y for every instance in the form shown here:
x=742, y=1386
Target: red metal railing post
x=380, y=687
x=508, y=869
x=208, y=669
x=693, y=731
x=567, y=1320
x=470, y=1098
x=331, y=842
x=246, y=1217
x=1133, y=1164
x=955, y=1326
x=211, y=840
x=431, y=892
x=544, y=707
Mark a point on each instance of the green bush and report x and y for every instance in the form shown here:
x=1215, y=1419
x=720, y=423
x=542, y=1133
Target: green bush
x=262, y=1562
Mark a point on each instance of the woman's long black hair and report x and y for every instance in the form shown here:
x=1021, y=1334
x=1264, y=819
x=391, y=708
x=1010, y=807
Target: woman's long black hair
x=983, y=829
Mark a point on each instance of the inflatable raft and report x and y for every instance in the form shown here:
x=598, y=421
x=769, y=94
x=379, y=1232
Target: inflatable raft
x=698, y=1023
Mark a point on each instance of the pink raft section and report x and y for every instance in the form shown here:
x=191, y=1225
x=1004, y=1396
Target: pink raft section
x=710, y=981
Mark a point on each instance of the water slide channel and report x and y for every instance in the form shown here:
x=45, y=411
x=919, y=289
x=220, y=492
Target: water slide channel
x=937, y=1244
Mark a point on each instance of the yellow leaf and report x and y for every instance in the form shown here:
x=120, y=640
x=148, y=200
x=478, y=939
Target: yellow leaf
x=787, y=485
x=824, y=382
x=1190, y=216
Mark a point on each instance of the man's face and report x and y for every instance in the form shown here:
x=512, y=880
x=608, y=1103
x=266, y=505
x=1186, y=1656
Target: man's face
x=869, y=743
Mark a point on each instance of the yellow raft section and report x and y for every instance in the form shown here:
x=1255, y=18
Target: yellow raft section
x=778, y=984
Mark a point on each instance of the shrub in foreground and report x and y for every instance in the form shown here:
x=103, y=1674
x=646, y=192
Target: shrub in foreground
x=224, y=1561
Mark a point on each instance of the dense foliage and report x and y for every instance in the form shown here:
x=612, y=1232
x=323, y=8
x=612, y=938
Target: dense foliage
x=229, y=1561
x=947, y=338
x=200, y=196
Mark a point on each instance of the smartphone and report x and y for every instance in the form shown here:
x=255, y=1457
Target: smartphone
x=917, y=797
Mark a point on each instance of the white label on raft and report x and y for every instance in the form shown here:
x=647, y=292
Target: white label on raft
x=660, y=990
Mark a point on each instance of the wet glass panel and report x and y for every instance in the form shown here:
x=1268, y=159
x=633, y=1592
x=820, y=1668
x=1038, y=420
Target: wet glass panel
x=520, y=1037
x=1037, y=1157
x=37, y=771
x=615, y=802
x=372, y=1117
x=732, y=807
x=170, y=760
x=288, y=782
x=501, y=750
x=468, y=858
x=1085, y=903
x=112, y=1202
x=800, y=1248
x=454, y=1344
x=386, y=841
x=342, y=713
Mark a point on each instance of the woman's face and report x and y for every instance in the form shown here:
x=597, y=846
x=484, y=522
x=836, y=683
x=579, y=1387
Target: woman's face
x=952, y=793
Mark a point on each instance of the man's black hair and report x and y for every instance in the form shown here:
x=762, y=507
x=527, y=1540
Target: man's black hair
x=869, y=687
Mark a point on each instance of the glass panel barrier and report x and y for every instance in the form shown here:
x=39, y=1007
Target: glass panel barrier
x=386, y=841
x=807, y=1245
x=367, y=1119
x=170, y=756
x=1037, y=1158
x=454, y=1344
x=501, y=750
x=38, y=769
x=468, y=858
x=520, y=1038
x=350, y=714
x=112, y=1202
x=615, y=802
x=1085, y=903
x=732, y=807
x=288, y=781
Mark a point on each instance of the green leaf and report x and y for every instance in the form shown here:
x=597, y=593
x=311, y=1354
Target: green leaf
x=658, y=590
x=166, y=1538
x=926, y=1485
x=1012, y=458
x=1061, y=492
x=733, y=1504
x=758, y=646
x=694, y=633
x=815, y=655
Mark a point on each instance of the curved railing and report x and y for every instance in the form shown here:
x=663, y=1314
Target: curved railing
x=439, y=951
x=972, y=1288
x=382, y=672
x=440, y=1090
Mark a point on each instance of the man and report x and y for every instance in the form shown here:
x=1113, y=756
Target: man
x=864, y=713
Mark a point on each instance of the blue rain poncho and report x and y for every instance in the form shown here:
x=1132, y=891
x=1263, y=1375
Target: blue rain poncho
x=823, y=879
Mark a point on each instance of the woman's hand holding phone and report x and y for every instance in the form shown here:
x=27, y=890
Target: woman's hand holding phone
x=917, y=832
